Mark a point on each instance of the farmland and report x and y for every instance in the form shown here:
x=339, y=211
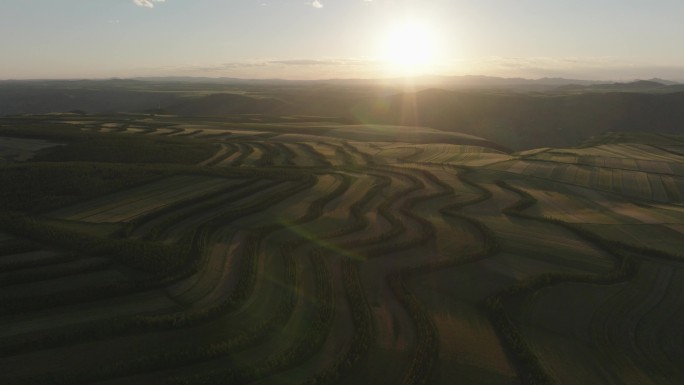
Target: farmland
x=164, y=249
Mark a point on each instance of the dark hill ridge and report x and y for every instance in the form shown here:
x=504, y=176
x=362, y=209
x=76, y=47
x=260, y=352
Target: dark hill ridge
x=513, y=119
x=647, y=86
x=528, y=121
x=231, y=104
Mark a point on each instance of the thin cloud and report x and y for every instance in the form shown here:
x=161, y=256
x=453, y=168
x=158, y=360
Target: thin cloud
x=322, y=62
x=147, y=3
x=316, y=4
x=303, y=62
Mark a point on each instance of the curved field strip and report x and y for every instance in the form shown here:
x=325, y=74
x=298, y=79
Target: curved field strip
x=435, y=329
x=215, y=278
x=456, y=155
x=136, y=130
x=369, y=150
x=244, y=153
x=577, y=205
x=633, y=151
x=558, y=156
x=232, y=150
x=630, y=183
x=641, y=151
x=534, y=152
x=51, y=271
x=298, y=156
x=301, y=335
x=340, y=207
x=173, y=226
x=165, y=131
x=245, y=134
x=541, y=169
x=205, y=349
x=256, y=155
x=268, y=200
x=223, y=152
x=62, y=291
x=375, y=237
x=354, y=345
x=357, y=156
x=208, y=132
x=234, y=154
x=36, y=330
x=624, y=270
x=562, y=172
x=269, y=153
x=397, y=153
x=171, y=131
x=152, y=221
x=295, y=206
x=469, y=350
x=261, y=303
x=654, y=166
x=530, y=370
x=424, y=187
x=335, y=154
x=132, y=203
x=518, y=259
x=116, y=360
x=673, y=190
x=309, y=156
x=187, y=132
x=617, y=336
x=285, y=155
x=651, y=237
x=361, y=267
x=20, y=150
x=400, y=334
x=303, y=156
x=347, y=341
x=28, y=259
x=646, y=159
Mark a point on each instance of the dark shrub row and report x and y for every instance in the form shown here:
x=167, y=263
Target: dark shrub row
x=425, y=354
x=530, y=369
x=370, y=161
x=287, y=154
x=295, y=354
x=315, y=154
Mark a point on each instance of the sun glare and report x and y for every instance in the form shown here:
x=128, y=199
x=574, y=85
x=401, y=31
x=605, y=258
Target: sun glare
x=410, y=48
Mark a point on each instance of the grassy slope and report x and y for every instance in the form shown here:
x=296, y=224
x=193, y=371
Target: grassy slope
x=383, y=261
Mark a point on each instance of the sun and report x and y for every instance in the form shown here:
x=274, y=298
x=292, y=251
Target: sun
x=410, y=48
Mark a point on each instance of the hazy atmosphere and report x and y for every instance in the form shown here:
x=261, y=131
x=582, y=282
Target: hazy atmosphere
x=341, y=192
x=301, y=39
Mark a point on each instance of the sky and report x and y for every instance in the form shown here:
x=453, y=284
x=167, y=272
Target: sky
x=321, y=39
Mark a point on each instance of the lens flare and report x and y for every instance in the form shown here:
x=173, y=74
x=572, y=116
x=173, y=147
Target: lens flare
x=411, y=48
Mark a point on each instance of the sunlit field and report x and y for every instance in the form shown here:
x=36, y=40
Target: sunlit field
x=141, y=249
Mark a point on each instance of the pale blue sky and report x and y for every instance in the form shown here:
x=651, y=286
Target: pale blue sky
x=599, y=39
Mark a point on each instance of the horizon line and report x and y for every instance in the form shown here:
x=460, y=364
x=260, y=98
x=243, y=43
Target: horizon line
x=389, y=78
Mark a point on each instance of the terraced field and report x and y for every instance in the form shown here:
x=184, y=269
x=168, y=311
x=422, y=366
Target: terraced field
x=320, y=256
x=20, y=149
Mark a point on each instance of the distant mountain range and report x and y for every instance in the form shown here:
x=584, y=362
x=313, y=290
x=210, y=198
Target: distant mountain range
x=523, y=121
x=449, y=82
x=564, y=114
x=650, y=86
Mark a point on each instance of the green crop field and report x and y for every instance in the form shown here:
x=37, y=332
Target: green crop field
x=141, y=249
